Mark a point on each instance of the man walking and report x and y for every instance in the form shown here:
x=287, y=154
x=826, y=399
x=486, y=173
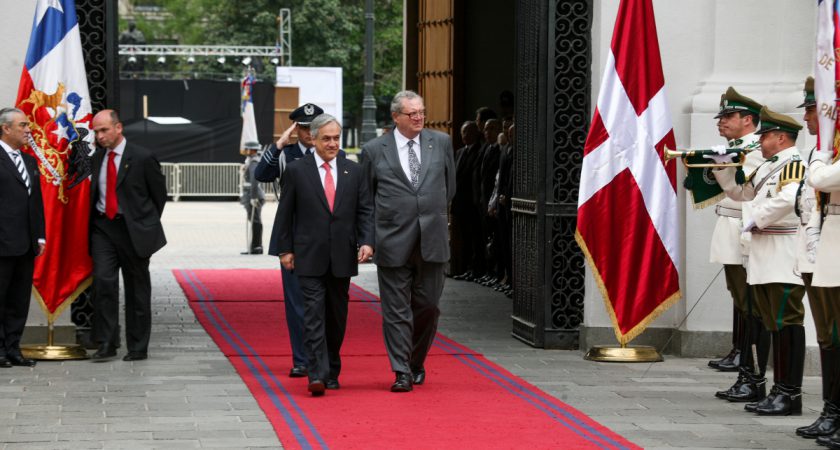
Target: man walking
x=412, y=174
x=128, y=193
x=322, y=235
x=22, y=233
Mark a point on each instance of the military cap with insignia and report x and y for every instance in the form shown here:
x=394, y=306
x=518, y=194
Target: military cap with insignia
x=731, y=101
x=773, y=121
x=810, y=97
x=251, y=145
x=304, y=114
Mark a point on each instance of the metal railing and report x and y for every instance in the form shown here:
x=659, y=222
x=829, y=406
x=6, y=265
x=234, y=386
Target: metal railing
x=206, y=180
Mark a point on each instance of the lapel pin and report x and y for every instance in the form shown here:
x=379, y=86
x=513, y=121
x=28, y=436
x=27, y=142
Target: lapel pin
x=346, y=172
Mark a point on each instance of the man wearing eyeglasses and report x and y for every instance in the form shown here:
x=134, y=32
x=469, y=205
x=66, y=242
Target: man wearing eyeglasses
x=412, y=174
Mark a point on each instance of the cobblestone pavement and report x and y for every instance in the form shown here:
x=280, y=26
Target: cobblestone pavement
x=187, y=395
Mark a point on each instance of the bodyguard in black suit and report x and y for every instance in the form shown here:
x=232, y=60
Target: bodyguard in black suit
x=22, y=233
x=125, y=231
x=323, y=229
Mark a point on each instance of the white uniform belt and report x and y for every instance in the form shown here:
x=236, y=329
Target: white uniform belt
x=832, y=209
x=727, y=212
x=776, y=230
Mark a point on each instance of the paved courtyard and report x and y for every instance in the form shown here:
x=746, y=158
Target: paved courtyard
x=187, y=395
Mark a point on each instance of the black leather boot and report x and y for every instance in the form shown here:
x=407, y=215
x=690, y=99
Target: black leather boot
x=791, y=354
x=256, y=238
x=753, y=388
x=729, y=363
x=830, y=441
x=742, y=379
x=829, y=420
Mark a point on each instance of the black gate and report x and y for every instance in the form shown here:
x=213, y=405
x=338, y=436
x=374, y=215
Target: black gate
x=552, y=115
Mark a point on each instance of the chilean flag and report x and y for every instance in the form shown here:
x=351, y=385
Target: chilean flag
x=53, y=93
x=627, y=225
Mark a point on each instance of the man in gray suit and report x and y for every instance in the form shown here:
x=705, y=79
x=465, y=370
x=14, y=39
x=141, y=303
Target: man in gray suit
x=412, y=174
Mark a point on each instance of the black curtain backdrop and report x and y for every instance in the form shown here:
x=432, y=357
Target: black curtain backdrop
x=212, y=106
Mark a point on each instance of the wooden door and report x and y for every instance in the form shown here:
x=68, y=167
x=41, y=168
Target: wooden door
x=435, y=74
x=285, y=101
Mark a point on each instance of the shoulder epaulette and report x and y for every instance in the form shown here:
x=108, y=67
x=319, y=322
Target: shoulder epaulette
x=793, y=172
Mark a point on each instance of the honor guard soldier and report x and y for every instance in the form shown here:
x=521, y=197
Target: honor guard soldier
x=270, y=169
x=769, y=195
x=252, y=197
x=822, y=241
x=806, y=208
x=737, y=122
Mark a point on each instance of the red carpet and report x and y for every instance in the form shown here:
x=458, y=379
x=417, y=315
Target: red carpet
x=468, y=401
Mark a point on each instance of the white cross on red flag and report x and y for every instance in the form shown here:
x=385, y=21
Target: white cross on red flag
x=627, y=225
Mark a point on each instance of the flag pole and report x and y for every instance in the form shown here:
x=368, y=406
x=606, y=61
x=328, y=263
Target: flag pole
x=52, y=351
x=623, y=353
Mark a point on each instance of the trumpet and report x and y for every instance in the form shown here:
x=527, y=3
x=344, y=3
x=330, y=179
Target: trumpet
x=686, y=154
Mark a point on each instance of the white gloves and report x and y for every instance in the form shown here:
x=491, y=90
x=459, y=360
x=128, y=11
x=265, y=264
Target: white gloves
x=748, y=226
x=719, y=149
x=255, y=202
x=812, y=238
x=822, y=156
x=721, y=157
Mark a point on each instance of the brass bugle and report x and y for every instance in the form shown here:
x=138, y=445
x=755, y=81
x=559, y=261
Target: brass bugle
x=683, y=154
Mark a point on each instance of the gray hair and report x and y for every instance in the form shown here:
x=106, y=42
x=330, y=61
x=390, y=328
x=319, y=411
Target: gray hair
x=320, y=121
x=396, y=102
x=6, y=117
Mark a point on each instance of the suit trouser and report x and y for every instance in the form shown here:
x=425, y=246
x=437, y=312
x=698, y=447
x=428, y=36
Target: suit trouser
x=15, y=292
x=256, y=225
x=780, y=304
x=410, y=298
x=293, y=304
x=111, y=249
x=325, y=318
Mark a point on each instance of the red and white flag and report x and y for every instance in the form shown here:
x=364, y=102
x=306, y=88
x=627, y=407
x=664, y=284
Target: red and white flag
x=826, y=76
x=628, y=226
x=53, y=93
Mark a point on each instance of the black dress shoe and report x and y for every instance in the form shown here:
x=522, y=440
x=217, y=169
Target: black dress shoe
x=418, y=376
x=316, y=387
x=332, y=383
x=463, y=276
x=135, y=356
x=19, y=360
x=298, y=372
x=104, y=353
x=824, y=426
x=402, y=383
x=5, y=362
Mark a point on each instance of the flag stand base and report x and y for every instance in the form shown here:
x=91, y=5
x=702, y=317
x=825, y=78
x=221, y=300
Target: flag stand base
x=52, y=351
x=640, y=353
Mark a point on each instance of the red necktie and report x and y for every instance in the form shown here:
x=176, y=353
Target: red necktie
x=329, y=186
x=111, y=187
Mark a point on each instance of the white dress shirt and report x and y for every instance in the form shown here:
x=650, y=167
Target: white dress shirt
x=402, y=151
x=103, y=177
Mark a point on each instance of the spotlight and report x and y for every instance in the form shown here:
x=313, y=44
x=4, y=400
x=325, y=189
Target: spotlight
x=132, y=59
x=161, y=60
x=221, y=59
x=191, y=60
x=275, y=61
x=246, y=61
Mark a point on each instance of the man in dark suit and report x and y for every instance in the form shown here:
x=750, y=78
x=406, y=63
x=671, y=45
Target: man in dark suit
x=128, y=193
x=270, y=169
x=412, y=174
x=463, y=213
x=22, y=233
x=323, y=229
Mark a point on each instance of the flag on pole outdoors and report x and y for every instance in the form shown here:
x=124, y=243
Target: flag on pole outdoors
x=249, y=122
x=53, y=93
x=627, y=225
x=826, y=77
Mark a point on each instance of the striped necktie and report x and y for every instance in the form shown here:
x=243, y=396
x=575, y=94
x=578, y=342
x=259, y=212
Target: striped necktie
x=22, y=169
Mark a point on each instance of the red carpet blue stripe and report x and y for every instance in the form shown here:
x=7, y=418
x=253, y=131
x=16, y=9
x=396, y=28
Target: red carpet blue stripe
x=205, y=299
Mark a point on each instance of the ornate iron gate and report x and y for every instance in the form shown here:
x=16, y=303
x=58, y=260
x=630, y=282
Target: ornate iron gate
x=552, y=114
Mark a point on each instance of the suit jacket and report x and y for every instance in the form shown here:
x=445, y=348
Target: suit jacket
x=141, y=195
x=405, y=215
x=322, y=240
x=21, y=214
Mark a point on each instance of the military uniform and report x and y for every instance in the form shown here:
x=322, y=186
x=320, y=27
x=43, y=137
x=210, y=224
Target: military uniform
x=252, y=198
x=770, y=193
x=726, y=238
x=823, y=300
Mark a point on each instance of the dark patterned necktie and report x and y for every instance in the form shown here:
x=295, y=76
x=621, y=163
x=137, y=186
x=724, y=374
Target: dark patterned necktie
x=22, y=169
x=413, y=164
